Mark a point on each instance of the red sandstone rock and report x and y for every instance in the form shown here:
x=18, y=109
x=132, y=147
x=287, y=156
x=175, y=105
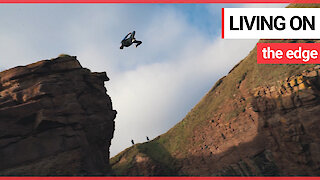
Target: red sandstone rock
x=55, y=119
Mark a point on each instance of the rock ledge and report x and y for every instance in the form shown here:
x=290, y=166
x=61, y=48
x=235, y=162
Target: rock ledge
x=55, y=119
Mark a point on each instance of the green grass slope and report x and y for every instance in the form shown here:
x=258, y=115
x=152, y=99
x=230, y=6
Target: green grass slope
x=175, y=143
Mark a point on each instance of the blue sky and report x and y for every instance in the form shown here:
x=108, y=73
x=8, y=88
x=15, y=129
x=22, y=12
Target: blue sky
x=153, y=86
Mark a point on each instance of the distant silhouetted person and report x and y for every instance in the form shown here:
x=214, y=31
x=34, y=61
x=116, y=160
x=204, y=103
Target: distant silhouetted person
x=128, y=41
x=147, y=138
x=132, y=141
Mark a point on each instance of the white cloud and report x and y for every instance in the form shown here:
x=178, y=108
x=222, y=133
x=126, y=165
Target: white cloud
x=152, y=98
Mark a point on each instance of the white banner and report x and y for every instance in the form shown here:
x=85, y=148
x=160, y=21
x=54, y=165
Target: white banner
x=271, y=23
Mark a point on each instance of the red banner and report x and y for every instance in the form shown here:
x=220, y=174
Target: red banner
x=159, y=178
x=288, y=53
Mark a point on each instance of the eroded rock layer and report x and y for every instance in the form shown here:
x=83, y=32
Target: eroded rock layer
x=55, y=119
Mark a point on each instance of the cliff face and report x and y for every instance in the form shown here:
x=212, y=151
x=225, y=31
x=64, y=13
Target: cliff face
x=55, y=119
x=258, y=120
x=265, y=131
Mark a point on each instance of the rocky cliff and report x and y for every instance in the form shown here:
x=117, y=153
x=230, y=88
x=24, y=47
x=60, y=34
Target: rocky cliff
x=259, y=120
x=55, y=119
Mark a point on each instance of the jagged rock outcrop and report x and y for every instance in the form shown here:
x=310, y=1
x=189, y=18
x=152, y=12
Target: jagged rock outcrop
x=55, y=119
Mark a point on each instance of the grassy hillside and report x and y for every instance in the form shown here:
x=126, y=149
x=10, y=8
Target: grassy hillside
x=177, y=142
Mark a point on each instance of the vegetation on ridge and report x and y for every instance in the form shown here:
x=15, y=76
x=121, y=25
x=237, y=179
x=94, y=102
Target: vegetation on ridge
x=176, y=142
